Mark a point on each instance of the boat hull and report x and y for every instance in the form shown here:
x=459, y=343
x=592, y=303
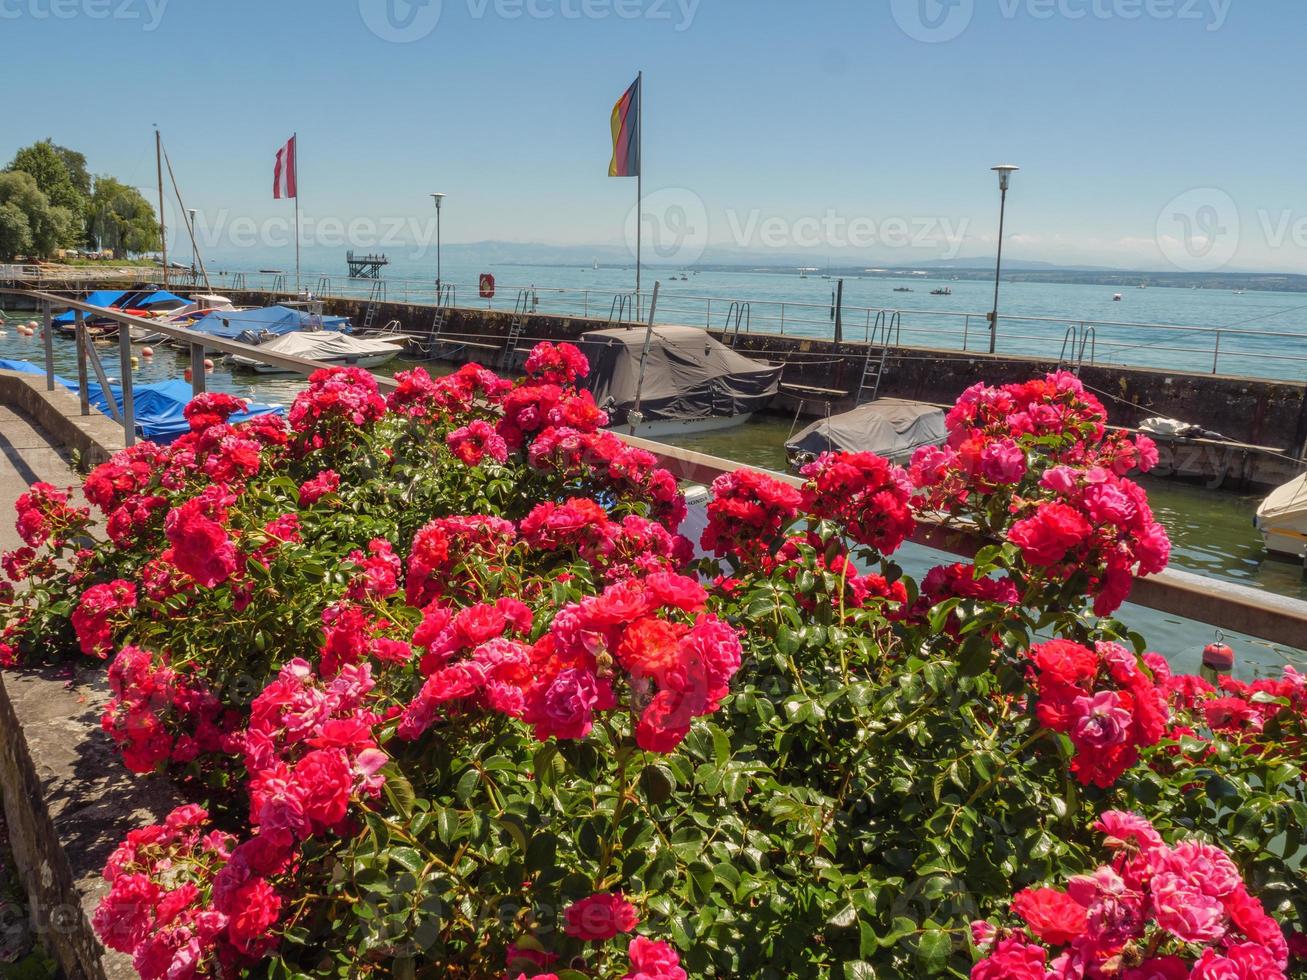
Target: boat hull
x=669, y=428
x=363, y=361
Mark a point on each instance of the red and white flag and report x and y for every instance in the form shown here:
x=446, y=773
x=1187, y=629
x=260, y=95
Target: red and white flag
x=283, y=174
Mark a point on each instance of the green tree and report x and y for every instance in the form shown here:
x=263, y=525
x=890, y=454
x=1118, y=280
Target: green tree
x=120, y=218
x=47, y=225
x=76, y=164
x=47, y=165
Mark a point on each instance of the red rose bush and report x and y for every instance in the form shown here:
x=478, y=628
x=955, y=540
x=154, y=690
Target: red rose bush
x=453, y=697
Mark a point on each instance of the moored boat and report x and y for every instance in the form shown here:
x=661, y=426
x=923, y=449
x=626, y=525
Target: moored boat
x=1282, y=520
x=329, y=347
x=894, y=428
x=684, y=382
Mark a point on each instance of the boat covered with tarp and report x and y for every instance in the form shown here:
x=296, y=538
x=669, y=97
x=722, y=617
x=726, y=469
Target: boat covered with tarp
x=263, y=323
x=327, y=346
x=158, y=406
x=140, y=302
x=686, y=382
x=890, y=427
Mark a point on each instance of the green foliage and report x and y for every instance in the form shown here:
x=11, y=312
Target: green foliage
x=120, y=218
x=48, y=166
x=29, y=223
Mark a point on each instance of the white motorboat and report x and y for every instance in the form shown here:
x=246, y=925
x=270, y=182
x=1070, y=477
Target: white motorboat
x=327, y=346
x=1282, y=519
x=183, y=315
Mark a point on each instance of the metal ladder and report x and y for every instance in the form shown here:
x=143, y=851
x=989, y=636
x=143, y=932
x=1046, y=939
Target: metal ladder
x=238, y=281
x=878, y=345
x=377, y=294
x=620, y=312
x=324, y=286
x=279, y=283
x=432, y=343
x=1079, y=337
x=520, y=310
x=739, y=313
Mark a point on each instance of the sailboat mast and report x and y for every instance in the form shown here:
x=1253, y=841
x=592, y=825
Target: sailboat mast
x=163, y=231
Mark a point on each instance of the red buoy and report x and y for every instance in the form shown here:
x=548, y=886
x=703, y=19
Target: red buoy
x=1218, y=656
x=187, y=374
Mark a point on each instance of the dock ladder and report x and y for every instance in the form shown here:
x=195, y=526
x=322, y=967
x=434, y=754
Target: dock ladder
x=520, y=310
x=738, y=314
x=1079, y=337
x=885, y=329
x=444, y=303
x=238, y=281
x=324, y=286
x=376, y=295
x=621, y=310
x=279, y=283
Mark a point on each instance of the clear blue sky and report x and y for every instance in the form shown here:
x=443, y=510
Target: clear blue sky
x=781, y=108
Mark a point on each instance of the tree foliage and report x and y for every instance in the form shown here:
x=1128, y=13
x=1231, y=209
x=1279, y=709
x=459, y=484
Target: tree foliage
x=120, y=218
x=29, y=223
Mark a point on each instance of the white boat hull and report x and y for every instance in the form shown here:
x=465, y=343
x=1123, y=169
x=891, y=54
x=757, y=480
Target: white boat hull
x=1282, y=520
x=670, y=428
x=364, y=361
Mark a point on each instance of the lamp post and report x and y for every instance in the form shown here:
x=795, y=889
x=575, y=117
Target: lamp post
x=191, y=213
x=437, y=197
x=1005, y=172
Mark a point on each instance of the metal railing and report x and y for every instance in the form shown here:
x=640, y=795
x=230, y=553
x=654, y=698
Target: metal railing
x=1176, y=347
x=1233, y=607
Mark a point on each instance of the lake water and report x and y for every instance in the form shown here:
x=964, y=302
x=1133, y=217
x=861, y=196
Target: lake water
x=1260, y=333
x=1211, y=531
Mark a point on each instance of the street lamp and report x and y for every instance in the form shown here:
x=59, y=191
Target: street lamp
x=437, y=197
x=191, y=212
x=1005, y=172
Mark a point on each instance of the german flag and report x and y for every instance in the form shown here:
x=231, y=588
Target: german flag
x=626, y=133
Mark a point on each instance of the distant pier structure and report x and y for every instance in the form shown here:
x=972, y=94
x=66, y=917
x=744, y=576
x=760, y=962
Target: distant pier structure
x=365, y=266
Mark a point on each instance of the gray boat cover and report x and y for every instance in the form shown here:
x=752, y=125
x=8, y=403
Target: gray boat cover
x=687, y=375
x=889, y=427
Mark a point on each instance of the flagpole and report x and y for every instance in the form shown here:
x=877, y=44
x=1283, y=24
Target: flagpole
x=639, y=190
x=296, y=163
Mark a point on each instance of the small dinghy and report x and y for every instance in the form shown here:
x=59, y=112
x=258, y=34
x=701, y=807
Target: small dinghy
x=329, y=347
x=686, y=381
x=890, y=427
x=1282, y=519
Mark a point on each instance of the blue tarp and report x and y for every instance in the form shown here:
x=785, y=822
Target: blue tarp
x=101, y=297
x=157, y=406
x=118, y=299
x=276, y=320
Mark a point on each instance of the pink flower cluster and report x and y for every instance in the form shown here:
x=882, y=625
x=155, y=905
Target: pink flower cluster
x=336, y=399
x=614, y=549
x=151, y=703
x=45, y=517
x=1155, y=912
x=160, y=908
x=866, y=496
x=1044, y=449
x=560, y=364
x=748, y=515
x=94, y=615
x=1103, y=700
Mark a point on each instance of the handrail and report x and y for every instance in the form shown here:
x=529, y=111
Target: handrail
x=1264, y=615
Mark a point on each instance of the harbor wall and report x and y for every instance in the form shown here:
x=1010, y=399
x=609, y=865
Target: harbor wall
x=1257, y=411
